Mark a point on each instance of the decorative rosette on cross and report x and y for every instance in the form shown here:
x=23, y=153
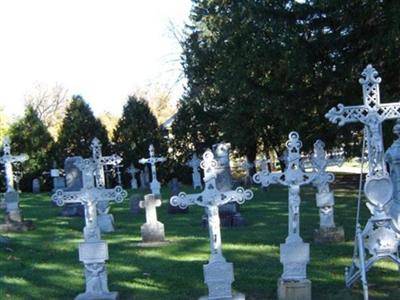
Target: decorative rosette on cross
x=119, y=194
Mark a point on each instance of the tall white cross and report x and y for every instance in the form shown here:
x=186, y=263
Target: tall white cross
x=194, y=163
x=293, y=177
x=89, y=196
x=211, y=198
x=7, y=160
x=152, y=160
x=378, y=186
x=102, y=161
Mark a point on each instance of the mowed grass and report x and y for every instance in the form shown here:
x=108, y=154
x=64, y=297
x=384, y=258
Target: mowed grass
x=43, y=263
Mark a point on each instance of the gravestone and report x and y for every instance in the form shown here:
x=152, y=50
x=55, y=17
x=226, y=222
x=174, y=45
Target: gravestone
x=132, y=171
x=194, y=163
x=58, y=181
x=5, y=241
x=35, y=186
x=134, y=206
x=152, y=160
x=152, y=231
x=247, y=166
x=229, y=213
x=144, y=184
x=327, y=232
x=175, y=189
x=73, y=183
x=380, y=235
x=13, y=220
x=93, y=251
x=294, y=253
x=218, y=273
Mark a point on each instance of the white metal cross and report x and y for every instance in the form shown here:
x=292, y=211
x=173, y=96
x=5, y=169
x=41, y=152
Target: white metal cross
x=152, y=160
x=211, y=198
x=7, y=160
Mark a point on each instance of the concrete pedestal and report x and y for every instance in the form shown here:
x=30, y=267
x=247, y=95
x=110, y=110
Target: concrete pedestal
x=102, y=296
x=106, y=222
x=153, y=232
x=329, y=235
x=294, y=290
x=234, y=297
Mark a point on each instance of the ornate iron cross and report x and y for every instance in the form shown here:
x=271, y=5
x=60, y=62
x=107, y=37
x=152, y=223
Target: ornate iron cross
x=211, y=198
x=378, y=187
x=101, y=161
x=7, y=160
x=152, y=160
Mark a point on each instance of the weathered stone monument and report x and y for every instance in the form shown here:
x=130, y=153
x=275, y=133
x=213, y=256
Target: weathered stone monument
x=13, y=220
x=194, y=163
x=104, y=219
x=144, y=184
x=380, y=235
x=73, y=182
x=35, y=186
x=327, y=232
x=294, y=253
x=58, y=181
x=93, y=251
x=218, y=274
x=229, y=213
x=175, y=189
x=134, y=206
x=152, y=231
x=152, y=160
x=133, y=171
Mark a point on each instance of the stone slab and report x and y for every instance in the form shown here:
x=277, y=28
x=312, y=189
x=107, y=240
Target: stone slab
x=93, y=252
x=106, y=223
x=219, y=277
x=237, y=296
x=152, y=232
x=153, y=244
x=294, y=290
x=329, y=235
x=102, y=296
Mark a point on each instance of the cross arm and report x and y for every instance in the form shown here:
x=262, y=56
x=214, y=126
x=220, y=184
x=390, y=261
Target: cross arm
x=143, y=161
x=183, y=200
x=111, y=160
x=117, y=194
x=60, y=197
x=240, y=195
x=347, y=114
x=265, y=178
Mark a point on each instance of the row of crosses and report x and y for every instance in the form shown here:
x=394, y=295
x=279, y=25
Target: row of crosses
x=380, y=235
x=218, y=274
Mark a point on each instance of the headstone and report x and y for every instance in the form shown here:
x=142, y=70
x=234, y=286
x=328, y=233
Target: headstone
x=35, y=186
x=132, y=171
x=247, y=166
x=175, y=189
x=13, y=220
x=229, y=213
x=152, y=160
x=143, y=182
x=152, y=231
x=134, y=206
x=105, y=219
x=380, y=235
x=218, y=273
x=93, y=251
x=294, y=253
x=194, y=163
x=58, y=181
x=73, y=183
x=327, y=232
x=5, y=241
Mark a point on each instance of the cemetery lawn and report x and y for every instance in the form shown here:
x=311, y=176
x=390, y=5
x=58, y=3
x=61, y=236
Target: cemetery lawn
x=43, y=263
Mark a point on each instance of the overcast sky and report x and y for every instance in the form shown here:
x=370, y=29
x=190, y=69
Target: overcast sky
x=101, y=49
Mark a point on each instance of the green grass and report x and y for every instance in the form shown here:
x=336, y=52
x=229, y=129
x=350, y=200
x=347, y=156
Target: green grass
x=43, y=263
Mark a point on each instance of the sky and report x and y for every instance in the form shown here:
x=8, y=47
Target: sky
x=103, y=50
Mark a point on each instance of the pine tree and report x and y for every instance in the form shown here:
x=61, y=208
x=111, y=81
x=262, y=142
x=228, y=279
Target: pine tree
x=78, y=129
x=30, y=136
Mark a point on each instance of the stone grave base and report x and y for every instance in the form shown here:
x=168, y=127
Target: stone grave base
x=234, y=297
x=153, y=244
x=134, y=207
x=12, y=226
x=106, y=222
x=102, y=296
x=152, y=232
x=329, y=235
x=294, y=289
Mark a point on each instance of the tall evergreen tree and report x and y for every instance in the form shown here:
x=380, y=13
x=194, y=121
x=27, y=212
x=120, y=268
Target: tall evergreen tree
x=78, y=129
x=135, y=131
x=29, y=135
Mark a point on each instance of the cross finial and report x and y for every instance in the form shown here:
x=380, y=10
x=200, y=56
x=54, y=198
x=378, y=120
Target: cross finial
x=151, y=150
x=370, y=75
x=294, y=145
x=96, y=143
x=6, y=145
x=208, y=164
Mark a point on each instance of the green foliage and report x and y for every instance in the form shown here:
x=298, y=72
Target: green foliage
x=78, y=129
x=30, y=136
x=257, y=70
x=135, y=131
